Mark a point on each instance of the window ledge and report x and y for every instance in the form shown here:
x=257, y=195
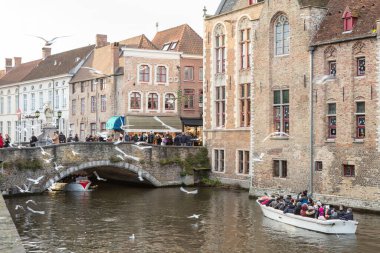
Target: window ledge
x=279, y=138
x=330, y=140
x=280, y=178
x=281, y=55
x=359, y=77
x=358, y=141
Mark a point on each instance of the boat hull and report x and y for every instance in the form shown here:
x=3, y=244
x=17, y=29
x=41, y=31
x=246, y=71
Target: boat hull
x=78, y=186
x=327, y=227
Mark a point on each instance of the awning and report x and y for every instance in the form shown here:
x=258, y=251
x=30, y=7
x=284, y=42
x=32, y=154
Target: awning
x=115, y=123
x=192, y=121
x=153, y=123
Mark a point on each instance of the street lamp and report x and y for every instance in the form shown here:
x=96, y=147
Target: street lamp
x=37, y=114
x=59, y=114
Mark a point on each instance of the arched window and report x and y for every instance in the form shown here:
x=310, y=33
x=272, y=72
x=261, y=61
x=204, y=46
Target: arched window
x=245, y=43
x=135, y=100
x=161, y=74
x=144, y=73
x=220, y=49
x=152, y=101
x=282, y=35
x=169, y=101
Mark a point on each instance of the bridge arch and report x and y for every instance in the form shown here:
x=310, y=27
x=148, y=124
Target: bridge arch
x=103, y=163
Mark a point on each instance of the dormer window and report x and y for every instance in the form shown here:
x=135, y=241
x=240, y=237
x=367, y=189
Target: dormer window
x=166, y=47
x=349, y=20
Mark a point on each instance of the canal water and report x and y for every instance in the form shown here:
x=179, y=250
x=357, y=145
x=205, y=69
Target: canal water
x=103, y=221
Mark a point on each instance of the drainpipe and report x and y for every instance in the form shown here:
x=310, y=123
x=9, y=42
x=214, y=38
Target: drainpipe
x=311, y=50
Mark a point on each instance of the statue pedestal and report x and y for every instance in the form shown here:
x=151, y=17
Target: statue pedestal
x=47, y=131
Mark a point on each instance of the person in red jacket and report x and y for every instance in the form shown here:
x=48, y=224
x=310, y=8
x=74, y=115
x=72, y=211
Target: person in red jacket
x=1, y=141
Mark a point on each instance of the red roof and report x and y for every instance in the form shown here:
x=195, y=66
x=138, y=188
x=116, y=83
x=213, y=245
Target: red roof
x=17, y=74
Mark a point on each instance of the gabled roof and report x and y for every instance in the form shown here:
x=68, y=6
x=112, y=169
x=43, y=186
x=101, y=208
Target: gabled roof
x=188, y=41
x=59, y=64
x=331, y=28
x=17, y=74
x=229, y=5
x=140, y=41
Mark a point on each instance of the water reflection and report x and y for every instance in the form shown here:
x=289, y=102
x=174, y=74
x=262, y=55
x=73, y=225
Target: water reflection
x=103, y=221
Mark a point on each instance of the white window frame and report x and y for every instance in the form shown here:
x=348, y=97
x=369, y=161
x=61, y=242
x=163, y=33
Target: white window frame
x=167, y=74
x=150, y=74
x=213, y=160
x=244, y=161
x=282, y=19
x=141, y=102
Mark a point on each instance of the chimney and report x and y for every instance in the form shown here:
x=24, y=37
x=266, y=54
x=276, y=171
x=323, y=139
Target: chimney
x=101, y=40
x=17, y=61
x=46, y=51
x=8, y=64
x=115, y=56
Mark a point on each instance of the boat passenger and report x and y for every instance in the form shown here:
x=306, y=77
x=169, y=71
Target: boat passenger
x=304, y=208
x=334, y=214
x=297, y=210
x=321, y=212
x=341, y=212
x=310, y=212
x=348, y=215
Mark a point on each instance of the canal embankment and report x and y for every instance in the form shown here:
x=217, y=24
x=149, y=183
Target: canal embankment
x=10, y=241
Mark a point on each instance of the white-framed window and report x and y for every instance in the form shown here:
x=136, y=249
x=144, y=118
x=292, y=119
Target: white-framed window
x=56, y=105
x=189, y=95
x=93, y=103
x=170, y=102
x=161, y=74
x=64, y=102
x=9, y=127
x=218, y=160
x=245, y=50
x=189, y=73
x=1, y=105
x=73, y=106
x=103, y=103
x=152, y=101
x=25, y=102
x=135, y=100
x=282, y=35
x=40, y=100
x=9, y=105
x=331, y=120
x=360, y=119
x=280, y=168
x=220, y=106
x=220, y=49
x=33, y=100
x=281, y=111
x=82, y=105
x=243, y=162
x=17, y=103
x=144, y=73
x=1, y=127
x=50, y=96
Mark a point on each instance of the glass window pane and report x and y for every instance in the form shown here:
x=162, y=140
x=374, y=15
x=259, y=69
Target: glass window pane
x=360, y=107
x=332, y=108
x=277, y=97
x=285, y=96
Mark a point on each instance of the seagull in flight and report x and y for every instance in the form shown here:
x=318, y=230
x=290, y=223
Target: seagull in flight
x=188, y=192
x=99, y=178
x=49, y=42
x=33, y=211
x=74, y=153
x=122, y=158
x=141, y=147
x=57, y=167
x=48, y=160
x=31, y=201
x=19, y=207
x=128, y=156
x=35, y=181
x=194, y=216
x=117, y=142
x=94, y=71
x=22, y=190
x=43, y=152
x=258, y=159
x=139, y=173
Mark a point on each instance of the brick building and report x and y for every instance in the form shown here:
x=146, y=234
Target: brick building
x=299, y=50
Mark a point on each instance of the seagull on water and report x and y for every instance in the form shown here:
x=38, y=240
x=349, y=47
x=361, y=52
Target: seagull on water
x=35, y=181
x=188, y=192
x=57, y=167
x=33, y=211
x=49, y=42
x=19, y=207
x=43, y=152
x=194, y=216
x=132, y=237
x=31, y=201
x=99, y=178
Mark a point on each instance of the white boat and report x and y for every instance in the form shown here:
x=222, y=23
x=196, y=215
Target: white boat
x=323, y=226
x=80, y=184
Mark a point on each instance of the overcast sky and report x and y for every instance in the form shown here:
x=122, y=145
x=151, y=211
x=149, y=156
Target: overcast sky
x=81, y=20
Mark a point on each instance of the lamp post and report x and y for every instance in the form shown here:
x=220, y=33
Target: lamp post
x=59, y=114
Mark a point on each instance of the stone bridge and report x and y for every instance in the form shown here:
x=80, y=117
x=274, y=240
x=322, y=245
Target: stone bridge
x=159, y=165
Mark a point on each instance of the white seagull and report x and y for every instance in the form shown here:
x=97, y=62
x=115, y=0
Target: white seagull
x=142, y=147
x=99, y=178
x=57, y=167
x=35, y=181
x=258, y=159
x=188, y=192
x=33, y=211
x=31, y=201
x=128, y=156
x=49, y=42
x=74, y=153
x=26, y=188
x=43, y=152
x=122, y=158
x=139, y=173
x=194, y=216
x=19, y=207
x=117, y=142
x=21, y=190
x=132, y=237
x=48, y=160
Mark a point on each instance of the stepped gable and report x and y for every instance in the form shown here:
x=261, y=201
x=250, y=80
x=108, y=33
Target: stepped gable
x=188, y=41
x=331, y=29
x=17, y=74
x=59, y=64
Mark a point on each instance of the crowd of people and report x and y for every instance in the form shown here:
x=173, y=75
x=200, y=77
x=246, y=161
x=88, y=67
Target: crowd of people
x=305, y=206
